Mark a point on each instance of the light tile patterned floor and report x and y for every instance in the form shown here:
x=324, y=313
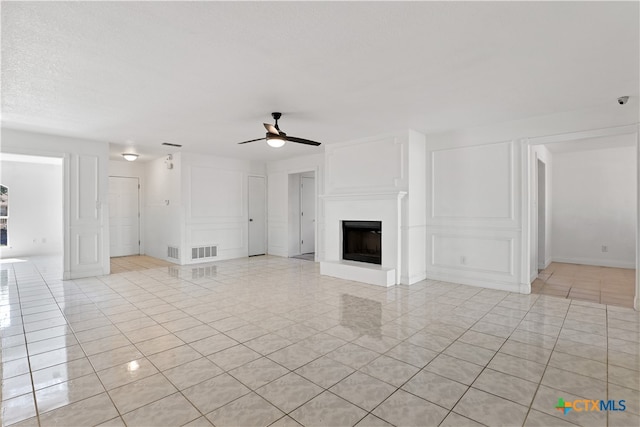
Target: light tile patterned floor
x=136, y=263
x=606, y=285
x=268, y=341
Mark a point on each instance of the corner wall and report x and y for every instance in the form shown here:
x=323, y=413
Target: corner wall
x=278, y=202
x=594, y=205
x=162, y=206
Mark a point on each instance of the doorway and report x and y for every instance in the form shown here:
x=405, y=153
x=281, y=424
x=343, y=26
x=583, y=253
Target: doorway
x=584, y=215
x=302, y=215
x=257, y=216
x=124, y=216
x=32, y=211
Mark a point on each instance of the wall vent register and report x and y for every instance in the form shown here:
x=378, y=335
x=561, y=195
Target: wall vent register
x=362, y=241
x=204, y=252
x=172, y=252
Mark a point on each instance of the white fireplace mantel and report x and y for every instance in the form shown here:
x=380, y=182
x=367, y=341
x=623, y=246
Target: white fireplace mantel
x=365, y=196
x=367, y=206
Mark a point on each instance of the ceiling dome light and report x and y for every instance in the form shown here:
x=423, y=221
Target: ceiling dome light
x=130, y=157
x=275, y=142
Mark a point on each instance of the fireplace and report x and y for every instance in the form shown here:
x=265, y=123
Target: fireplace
x=362, y=241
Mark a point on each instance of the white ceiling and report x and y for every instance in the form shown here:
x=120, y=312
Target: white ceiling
x=207, y=74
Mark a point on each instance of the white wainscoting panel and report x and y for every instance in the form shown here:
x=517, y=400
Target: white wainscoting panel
x=473, y=253
x=474, y=230
x=87, y=195
x=216, y=193
x=373, y=165
x=478, y=257
x=473, y=182
x=88, y=251
x=226, y=236
x=88, y=245
x=277, y=238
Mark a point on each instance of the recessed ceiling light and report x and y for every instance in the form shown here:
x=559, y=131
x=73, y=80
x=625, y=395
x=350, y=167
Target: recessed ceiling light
x=130, y=156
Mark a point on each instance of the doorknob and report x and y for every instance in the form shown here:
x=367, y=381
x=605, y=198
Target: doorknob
x=250, y=219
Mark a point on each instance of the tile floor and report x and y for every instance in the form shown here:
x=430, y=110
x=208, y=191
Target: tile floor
x=136, y=263
x=606, y=285
x=268, y=341
x=311, y=256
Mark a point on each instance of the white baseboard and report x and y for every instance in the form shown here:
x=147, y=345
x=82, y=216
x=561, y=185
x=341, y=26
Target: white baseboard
x=410, y=280
x=490, y=284
x=545, y=265
x=596, y=262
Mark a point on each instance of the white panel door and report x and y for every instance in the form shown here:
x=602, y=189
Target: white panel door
x=124, y=220
x=307, y=215
x=257, y=216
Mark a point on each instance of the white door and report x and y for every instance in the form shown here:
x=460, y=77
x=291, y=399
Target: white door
x=124, y=218
x=307, y=215
x=257, y=216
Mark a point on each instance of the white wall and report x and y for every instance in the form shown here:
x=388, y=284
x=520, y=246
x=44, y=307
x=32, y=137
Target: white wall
x=278, y=201
x=215, y=202
x=35, y=207
x=594, y=204
x=86, y=214
x=474, y=226
x=163, y=212
x=543, y=129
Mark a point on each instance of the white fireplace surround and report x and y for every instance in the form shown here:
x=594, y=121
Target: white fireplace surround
x=385, y=207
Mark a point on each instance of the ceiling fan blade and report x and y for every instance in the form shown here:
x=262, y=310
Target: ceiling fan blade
x=252, y=140
x=302, y=141
x=271, y=129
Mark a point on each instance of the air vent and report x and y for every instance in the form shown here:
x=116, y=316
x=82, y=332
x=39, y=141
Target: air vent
x=171, y=145
x=172, y=252
x=204, y=252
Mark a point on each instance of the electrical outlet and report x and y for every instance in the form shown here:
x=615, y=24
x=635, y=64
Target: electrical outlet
x=605, y=248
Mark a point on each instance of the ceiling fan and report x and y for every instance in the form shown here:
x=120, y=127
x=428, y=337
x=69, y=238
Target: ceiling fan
x=276, y=138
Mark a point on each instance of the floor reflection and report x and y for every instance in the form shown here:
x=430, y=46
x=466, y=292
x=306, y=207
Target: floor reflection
x=361, y=315
x=207, y=272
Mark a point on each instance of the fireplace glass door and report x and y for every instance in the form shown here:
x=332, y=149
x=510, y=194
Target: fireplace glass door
x=362, y=241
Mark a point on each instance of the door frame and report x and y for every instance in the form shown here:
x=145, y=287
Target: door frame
x=140, y=242
x=315, y=202
x=316, y=187
x=539, y=162
x=266, y=213
x=529, y=216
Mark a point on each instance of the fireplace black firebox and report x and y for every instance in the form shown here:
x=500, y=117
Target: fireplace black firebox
x=362, y=241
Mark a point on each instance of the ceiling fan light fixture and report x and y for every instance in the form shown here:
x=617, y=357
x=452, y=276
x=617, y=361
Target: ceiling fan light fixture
x=130, y=157
x=275, y=142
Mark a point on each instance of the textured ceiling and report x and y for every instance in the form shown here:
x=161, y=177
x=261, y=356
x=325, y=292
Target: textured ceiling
x=207, y=74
